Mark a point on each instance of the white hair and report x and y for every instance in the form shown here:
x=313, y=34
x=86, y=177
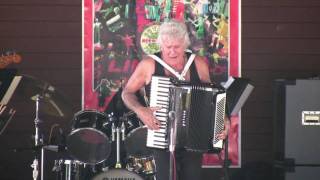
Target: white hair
x=173, y=29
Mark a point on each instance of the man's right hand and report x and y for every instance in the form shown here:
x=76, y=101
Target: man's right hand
x=146, y=115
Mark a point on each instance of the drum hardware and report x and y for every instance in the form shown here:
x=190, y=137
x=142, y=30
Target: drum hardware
x=39, y=144
x=38, y=141
x=142, y=165
x=118, y=133
x=118, y=129
x=67, y=169
x=139, y=157
x=52, y=103
x=35, y=171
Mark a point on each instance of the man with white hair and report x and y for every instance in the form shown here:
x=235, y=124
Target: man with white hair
x=170, y=62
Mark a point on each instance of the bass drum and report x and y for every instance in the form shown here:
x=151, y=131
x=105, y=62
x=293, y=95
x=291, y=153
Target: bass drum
x=117, y=174
x=88, y=141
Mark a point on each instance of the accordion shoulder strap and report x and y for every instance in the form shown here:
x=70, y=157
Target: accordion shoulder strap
x=174, y=72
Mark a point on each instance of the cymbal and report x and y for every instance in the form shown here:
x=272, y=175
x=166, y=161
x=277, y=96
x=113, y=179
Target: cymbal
x=51, y=101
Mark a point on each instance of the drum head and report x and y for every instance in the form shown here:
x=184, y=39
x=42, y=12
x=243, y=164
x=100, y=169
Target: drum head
x=136, y=141
x=87, y=142
x=117, y=174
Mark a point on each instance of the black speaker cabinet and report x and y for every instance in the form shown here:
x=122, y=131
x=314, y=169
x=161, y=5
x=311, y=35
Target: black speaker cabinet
x=296, y=128
x=298, y=173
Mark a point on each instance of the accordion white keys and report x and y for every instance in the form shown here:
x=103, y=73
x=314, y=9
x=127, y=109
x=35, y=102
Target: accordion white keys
x=198, y=109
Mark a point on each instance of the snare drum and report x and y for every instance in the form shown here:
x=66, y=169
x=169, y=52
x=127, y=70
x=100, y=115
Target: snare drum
x=88, y=141
x=143, y=165
x=117, y=174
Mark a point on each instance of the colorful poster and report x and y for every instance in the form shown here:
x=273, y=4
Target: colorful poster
x=117, y=33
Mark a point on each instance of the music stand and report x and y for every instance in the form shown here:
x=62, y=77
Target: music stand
x=238, y=90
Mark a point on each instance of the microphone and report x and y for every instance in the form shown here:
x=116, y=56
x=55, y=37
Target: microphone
x=172, y=115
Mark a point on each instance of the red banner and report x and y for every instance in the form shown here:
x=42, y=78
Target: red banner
x=117, y=33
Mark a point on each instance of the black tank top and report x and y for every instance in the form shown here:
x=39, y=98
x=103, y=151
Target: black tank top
x=159, y=71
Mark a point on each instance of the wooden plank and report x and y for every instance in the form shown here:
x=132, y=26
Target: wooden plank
x=281, y=45
x=260, y=94
x=58, y=61
x=40, y=29
x=266, y=78
x=257, y=142
x=34, y=12
x=42, y=44
x=249, y=156
x=26, y=121
x=254, y=125
x=258, y=109
x=281, y=30
x=286, y=3
x=280, y=14
x=56, y=76
x=42, y=2
x=280, y=62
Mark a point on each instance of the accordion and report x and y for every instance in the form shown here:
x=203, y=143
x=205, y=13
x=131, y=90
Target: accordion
x=191, y=115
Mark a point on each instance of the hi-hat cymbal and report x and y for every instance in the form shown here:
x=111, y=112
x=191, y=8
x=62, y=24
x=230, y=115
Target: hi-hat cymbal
x=51, y=101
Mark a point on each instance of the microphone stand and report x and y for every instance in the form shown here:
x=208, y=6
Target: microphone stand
x=172, y=144
x=226, y=161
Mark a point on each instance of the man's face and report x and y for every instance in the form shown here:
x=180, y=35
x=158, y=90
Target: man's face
x=172, y=48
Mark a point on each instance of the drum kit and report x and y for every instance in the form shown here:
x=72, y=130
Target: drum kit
x=99, y=146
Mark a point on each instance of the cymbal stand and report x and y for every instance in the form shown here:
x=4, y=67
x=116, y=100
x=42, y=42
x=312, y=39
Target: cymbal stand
x=38, y=141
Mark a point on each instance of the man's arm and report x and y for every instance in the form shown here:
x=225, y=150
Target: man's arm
x=203, y=69
x=140, y=77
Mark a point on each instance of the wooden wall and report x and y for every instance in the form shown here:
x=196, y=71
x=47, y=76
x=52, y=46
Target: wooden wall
x=280, y=39
x=47, y=34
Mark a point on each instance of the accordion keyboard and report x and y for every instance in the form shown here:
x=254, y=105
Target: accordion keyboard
x=159, y=97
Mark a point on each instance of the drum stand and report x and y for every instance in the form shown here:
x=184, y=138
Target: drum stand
x=38, y=144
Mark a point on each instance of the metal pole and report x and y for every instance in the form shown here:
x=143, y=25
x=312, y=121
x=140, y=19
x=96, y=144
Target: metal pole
x=172, y=144
x=42, y=163
x=37, y=143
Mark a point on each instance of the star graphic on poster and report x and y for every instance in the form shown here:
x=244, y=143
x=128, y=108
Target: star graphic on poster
x=128, y=41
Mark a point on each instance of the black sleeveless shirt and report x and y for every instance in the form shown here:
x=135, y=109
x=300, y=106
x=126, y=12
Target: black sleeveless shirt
x=159, y=71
